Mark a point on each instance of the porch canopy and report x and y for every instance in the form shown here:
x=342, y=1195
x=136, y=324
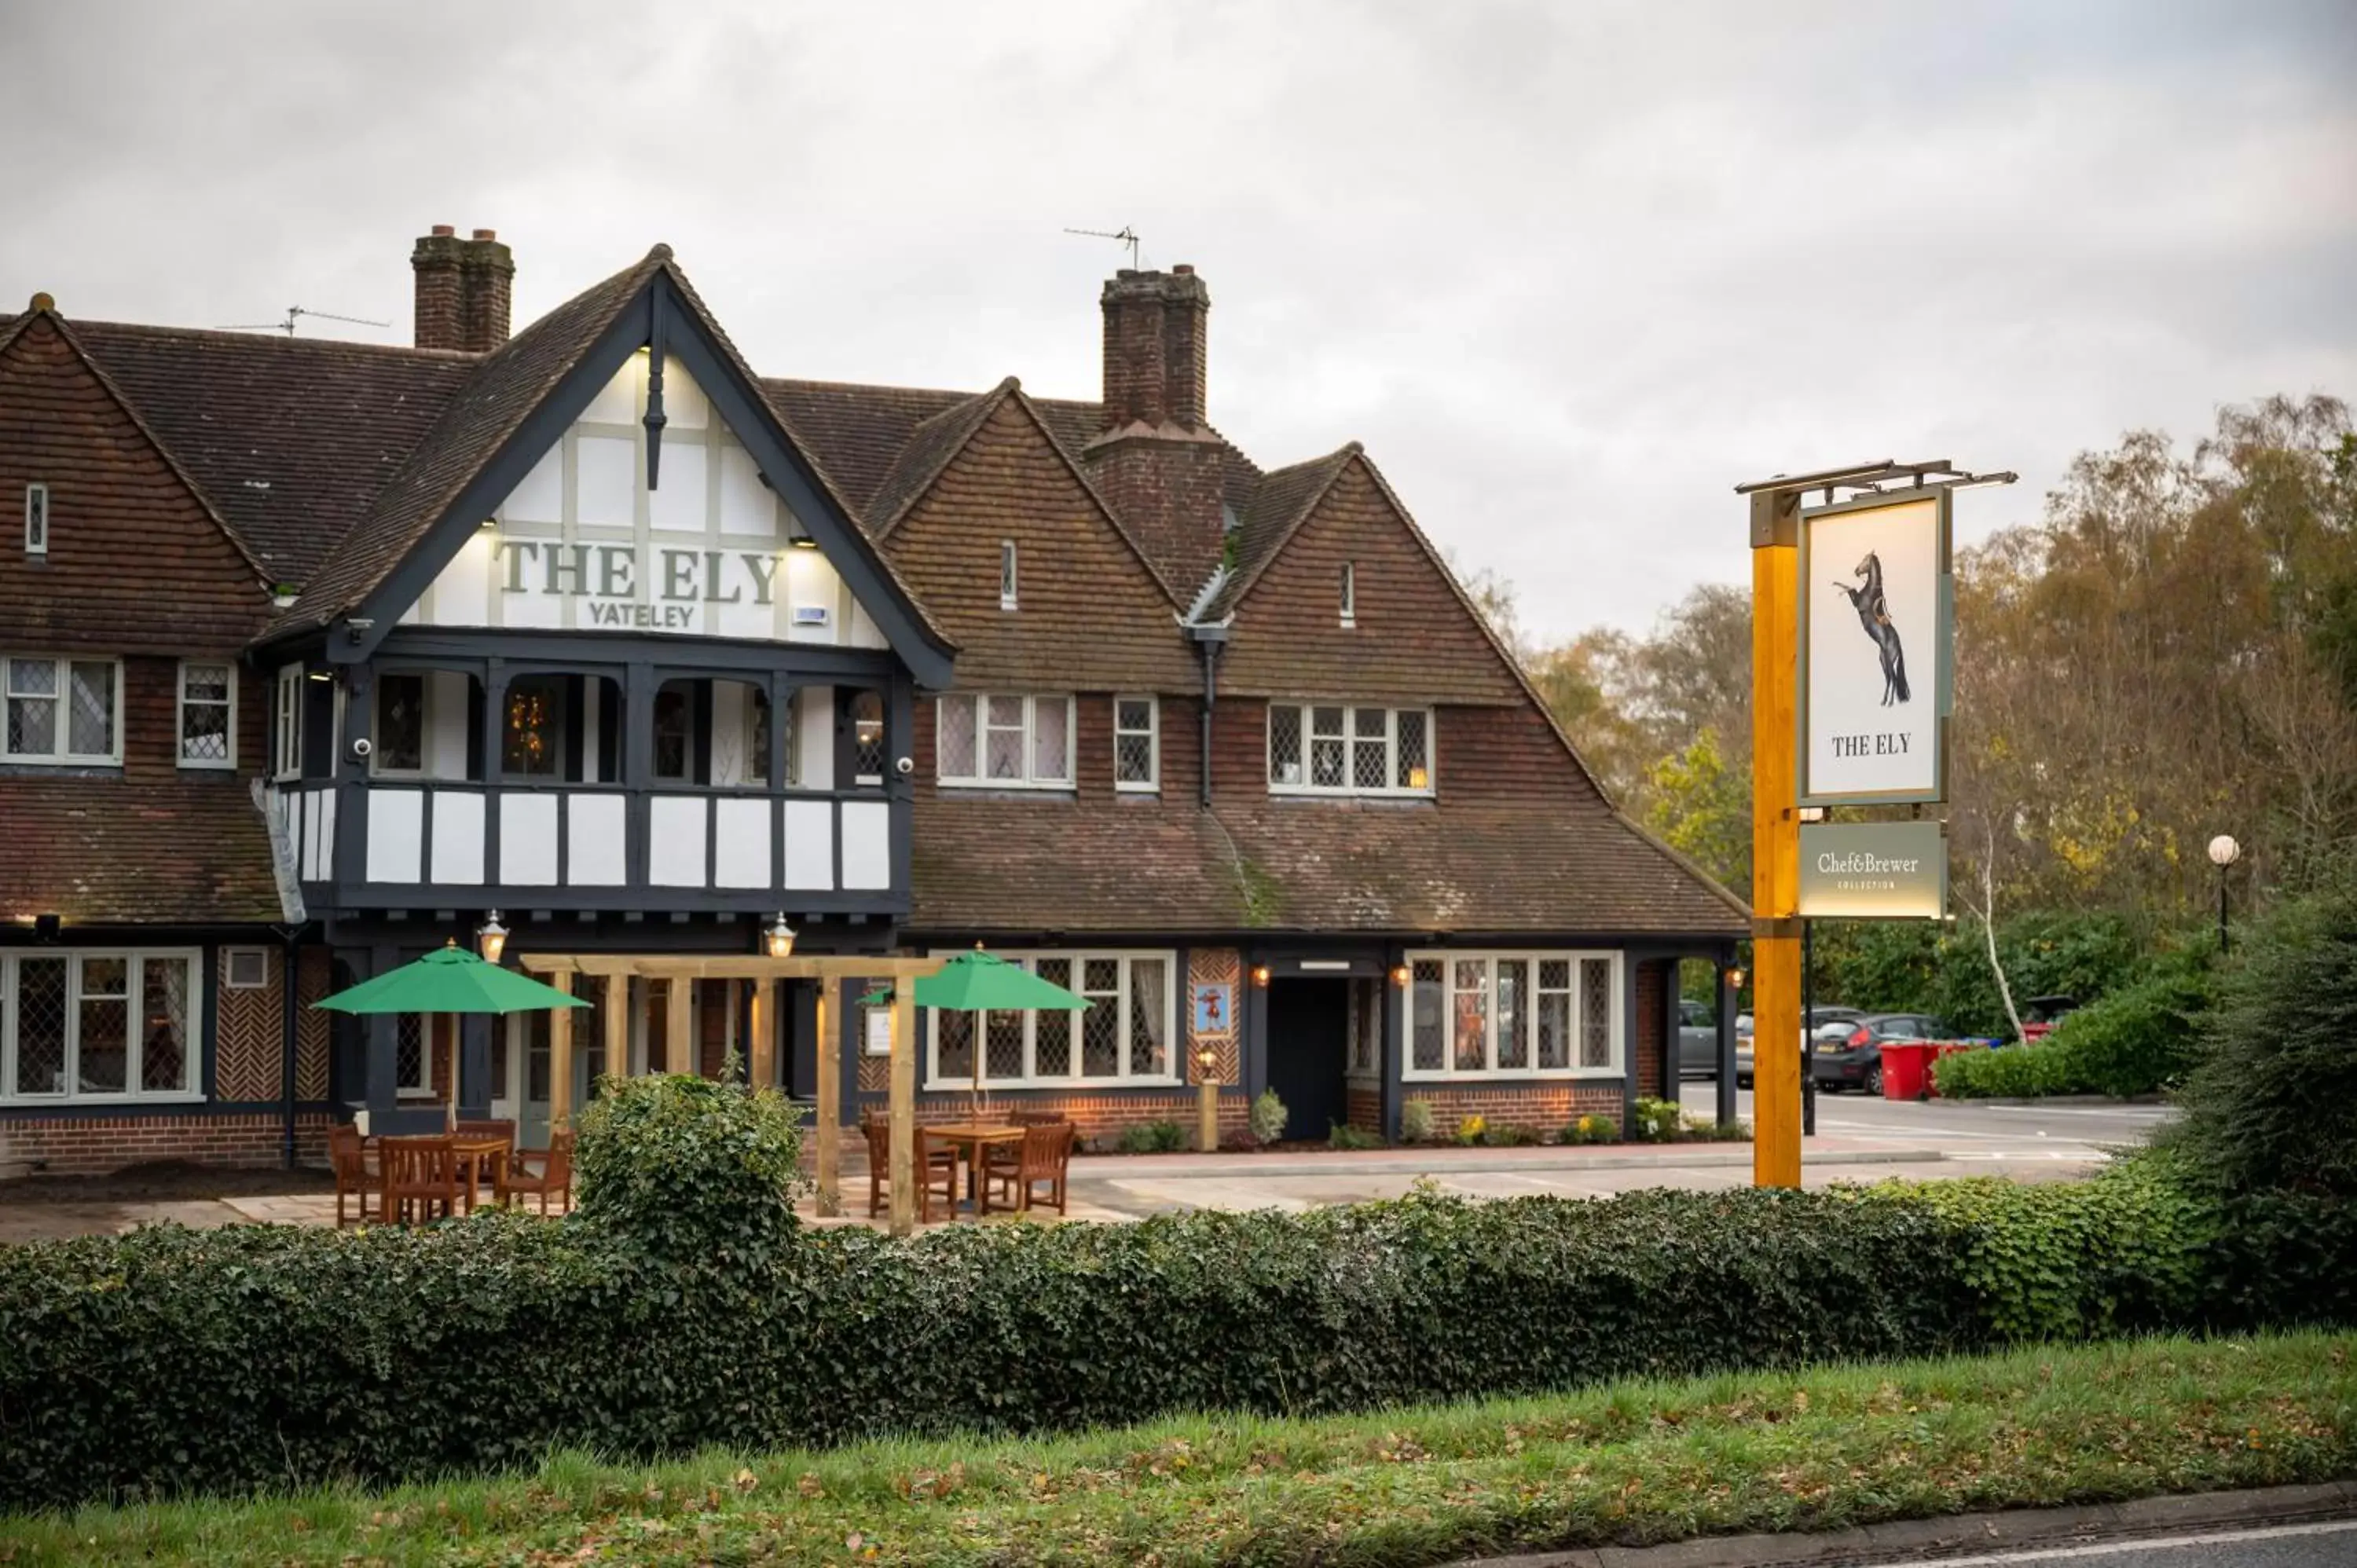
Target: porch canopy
x=615, y=971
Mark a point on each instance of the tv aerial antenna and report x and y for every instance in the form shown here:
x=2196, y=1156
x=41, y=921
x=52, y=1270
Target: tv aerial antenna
x=294, y=313
x=1127, y=235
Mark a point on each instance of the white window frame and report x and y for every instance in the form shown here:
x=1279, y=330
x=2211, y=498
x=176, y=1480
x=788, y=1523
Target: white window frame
x=1448, y=957
x=61, y=731
x=227, y=762
x=1173, y=1045
x=36, y=519
x=1348, y=787
x=1007, y=582
x=1152, y=783
x=980, y=779
x=229, y=982
x=136, y=961
x=286, y=725
x=1350, y=594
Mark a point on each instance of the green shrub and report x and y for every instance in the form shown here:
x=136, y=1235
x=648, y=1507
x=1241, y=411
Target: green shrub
x=1471, y=1130
x=2008, y=1072
x=1342, y=1135
x=1152, y=1138
x=690, y=1173
x=2117, y=1254
x=1510, y=1136
x=2271, y=1103
x=1656, y=1121
x=1707, y=1130
x=1268, y=1117
x=1591, y=1129
x=2138, y=1039
x=1416, y=1121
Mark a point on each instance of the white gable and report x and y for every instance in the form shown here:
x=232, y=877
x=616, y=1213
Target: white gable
x=583, y=544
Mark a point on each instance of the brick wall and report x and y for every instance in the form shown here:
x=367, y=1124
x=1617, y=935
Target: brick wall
x=94, y=1145
x=1542, y=1107
x=1099, y=1117
x=1363, y=1108
x=1649, y=1030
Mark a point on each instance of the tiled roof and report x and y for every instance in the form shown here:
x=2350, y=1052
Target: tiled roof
x=930, y=447
x=179, y=851
x=504, y=387
x=1140, y=867
x=1273, y=508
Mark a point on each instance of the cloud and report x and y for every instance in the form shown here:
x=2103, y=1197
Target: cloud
x=1571, y=272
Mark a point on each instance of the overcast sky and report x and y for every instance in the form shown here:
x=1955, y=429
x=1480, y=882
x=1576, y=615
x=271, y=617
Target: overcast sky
x=1569, y=271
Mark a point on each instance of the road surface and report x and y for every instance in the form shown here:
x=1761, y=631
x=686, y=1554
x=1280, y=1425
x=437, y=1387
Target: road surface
x=2330, y=1544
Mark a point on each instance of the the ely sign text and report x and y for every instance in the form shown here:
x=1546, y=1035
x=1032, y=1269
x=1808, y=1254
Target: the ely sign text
x=607, y=579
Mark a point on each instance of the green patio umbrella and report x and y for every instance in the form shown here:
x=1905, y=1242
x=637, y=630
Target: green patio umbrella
x=449, y=980
x=978, y=981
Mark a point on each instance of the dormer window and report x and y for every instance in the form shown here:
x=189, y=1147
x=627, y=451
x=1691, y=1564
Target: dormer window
x=36, y=520
x=1006, y=574
x=1350, y=594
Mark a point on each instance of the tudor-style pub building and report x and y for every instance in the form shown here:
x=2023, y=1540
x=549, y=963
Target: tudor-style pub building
x=315, y=655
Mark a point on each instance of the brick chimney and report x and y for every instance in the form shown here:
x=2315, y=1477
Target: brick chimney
x=464, y=287
x=1156, y=457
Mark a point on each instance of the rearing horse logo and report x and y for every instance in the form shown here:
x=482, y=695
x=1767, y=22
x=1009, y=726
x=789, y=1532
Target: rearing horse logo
x=1874, y=613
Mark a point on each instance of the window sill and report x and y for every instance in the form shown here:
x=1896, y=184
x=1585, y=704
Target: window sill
x=1002, y=789
x=1017, y=1086
x=228, y=766
x=1387, y=797
x=38, y=1101
x=1515, y=1074
x=1149, y=790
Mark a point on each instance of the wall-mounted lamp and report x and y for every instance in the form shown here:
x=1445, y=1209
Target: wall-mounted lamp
x=1206, y=1059
x=1735, y=979
x=804, y=542
x=779, y=937
x=491, y=938
x=1401, y=975
x=1260, y=975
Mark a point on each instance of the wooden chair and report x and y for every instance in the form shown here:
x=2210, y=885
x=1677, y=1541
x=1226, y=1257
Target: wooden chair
x=938, y=1162
x=421, y=1178
x=878, y=1130
x=348, y=1156
x=1045, y=1155
x=554, y=1173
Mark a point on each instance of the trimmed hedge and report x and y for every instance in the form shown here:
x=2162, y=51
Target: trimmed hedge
x=2133, y=1041
x=263, y=1358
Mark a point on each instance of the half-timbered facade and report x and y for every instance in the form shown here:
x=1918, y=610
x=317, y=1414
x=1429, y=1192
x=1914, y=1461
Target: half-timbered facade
x=318, y=654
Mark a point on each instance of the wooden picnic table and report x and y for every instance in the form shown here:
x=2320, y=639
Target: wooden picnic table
x=973, y=1139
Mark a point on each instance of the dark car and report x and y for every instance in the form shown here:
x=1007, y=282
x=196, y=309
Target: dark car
x=1697, y=1040
x=1820, y=1018
x=1852, y=1058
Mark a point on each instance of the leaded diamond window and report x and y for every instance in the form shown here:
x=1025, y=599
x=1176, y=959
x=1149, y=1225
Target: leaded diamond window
x=868, y=744
x=1330, y=749
x=1004, y=741
x=1126, y=1035
x=1135, y=762
x=62, y=710
x=98, y=1025
x=400, y=745
x=1511, y=1014
x=207, y=692
x=410, y=1066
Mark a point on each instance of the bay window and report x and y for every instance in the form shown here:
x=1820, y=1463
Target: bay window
x=62, y=709
x=1331, y=748
x=1518, y=1014
x=1126, y=1035
x=116, y=1026
x=1004, y=742
x=207, y=705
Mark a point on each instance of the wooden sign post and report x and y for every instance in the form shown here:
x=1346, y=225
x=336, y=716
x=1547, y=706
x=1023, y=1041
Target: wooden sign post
x=1775, y=842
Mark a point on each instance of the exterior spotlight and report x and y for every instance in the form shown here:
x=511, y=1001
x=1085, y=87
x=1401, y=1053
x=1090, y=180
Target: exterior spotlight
x=779, y=937
x=1260, y=975
x=491, y=938
x=1401, y=975
x=1735, y=979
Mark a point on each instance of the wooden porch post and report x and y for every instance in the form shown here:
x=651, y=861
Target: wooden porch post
x=760, y=1061
x=681, y=1027
x=904, y=1104
x=617, y=1026
x=560, y=1056
x=830, y=1103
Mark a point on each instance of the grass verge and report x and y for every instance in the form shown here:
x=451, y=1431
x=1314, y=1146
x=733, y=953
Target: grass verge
x=1630, y=1463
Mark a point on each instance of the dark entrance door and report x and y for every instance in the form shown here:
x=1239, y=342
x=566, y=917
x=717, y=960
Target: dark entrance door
x=1309, y=1042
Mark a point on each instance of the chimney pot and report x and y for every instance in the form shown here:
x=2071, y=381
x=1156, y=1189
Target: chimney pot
x=1185, y=268
x=494, y=233
x=443, y=231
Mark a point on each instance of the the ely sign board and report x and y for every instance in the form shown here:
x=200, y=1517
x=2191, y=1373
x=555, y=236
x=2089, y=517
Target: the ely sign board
x=1874, y=613
x=1874, y=871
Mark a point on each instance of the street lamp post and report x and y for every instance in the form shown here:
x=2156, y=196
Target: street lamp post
x=2224, y=853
